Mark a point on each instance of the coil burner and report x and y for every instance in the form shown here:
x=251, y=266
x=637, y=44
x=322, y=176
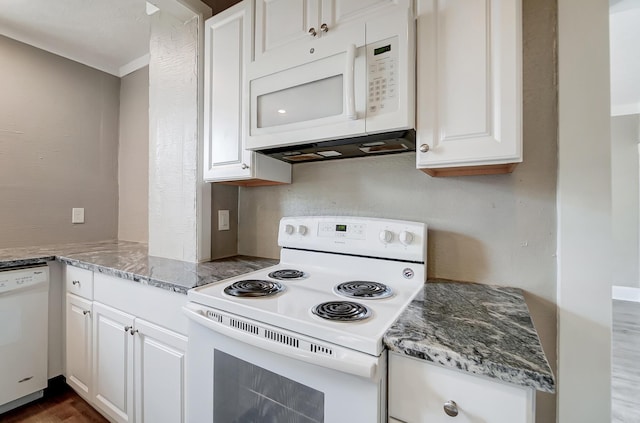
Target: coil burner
x=363, y=289
x=287, y=274
x=253, y=288
x=342, y=311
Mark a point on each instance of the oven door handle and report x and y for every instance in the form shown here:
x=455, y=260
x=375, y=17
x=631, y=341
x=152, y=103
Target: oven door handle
x=343, y=359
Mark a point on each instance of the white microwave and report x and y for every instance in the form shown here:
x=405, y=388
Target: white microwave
x=346, y=94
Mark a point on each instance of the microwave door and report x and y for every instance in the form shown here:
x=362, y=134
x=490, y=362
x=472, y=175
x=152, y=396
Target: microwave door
x=310, y=102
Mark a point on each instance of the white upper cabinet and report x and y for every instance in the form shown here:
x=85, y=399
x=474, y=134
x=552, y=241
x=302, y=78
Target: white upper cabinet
x=228, y=47
x=469, y=86
x=283, y=23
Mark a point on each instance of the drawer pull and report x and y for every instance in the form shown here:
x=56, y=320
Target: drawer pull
x=75, y=282
x=451, y=408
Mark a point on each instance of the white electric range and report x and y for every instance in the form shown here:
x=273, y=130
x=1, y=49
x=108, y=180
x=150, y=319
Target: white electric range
x=302, y=341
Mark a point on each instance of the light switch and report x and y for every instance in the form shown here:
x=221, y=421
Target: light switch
x=223, y=220
x=77, y=215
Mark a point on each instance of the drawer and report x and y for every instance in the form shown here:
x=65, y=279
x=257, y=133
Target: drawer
x=79, y=282
x=156, y=305
x=419, y=392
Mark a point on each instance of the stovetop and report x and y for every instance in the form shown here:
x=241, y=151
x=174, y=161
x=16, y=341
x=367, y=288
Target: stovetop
x=293, y=305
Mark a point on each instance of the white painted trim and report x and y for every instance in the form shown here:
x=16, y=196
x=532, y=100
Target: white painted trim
x=134, y=65
x=151, y=9
x=625, y=293
x=43, y=45
x=183, y=10
x=625, y=109
x=203, y=207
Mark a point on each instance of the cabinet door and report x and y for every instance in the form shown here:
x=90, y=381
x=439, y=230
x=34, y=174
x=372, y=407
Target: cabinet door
x=335, y=13
x=78, y=345
x=281, y=23
x=113, y=362
x=160, y=363
x=228, y=47
x=418, y=392
x=469, y=105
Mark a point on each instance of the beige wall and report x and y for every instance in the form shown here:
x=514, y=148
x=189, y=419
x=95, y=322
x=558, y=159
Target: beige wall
x=133, y=157
x=625, y=187
x=492, y=229
x=584, y=213
x=224, y=243
x=58, y=148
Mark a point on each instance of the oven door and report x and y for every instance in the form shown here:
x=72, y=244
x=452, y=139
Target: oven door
x=232, y=379
x=321, y=97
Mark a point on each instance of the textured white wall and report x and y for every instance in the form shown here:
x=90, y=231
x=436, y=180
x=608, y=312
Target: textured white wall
x=58, y=148
x=584, y=213
x=492, y=229
x=133, y=157
x=175, y=186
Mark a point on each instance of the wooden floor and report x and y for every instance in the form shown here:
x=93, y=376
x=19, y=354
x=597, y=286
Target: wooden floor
x=625, y=366
x=59, y=404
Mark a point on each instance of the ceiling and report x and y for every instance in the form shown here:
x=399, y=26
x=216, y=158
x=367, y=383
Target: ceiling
x=109, y=35
x=624, y=22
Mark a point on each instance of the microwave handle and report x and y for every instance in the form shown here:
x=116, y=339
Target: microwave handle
x=350, y=95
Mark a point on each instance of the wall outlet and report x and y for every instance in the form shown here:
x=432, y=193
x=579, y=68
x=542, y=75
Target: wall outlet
x=223, y=220
x=77, y=215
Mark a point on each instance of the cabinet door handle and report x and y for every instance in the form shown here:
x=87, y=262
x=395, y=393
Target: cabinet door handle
x=85, y=312
x=133, y=331
x=75, y=282
x=244, y=166
x=424, y=148
x=312, y=32
x=451, y=408
x=128, y=328
x=324, y=28
x=349, y=74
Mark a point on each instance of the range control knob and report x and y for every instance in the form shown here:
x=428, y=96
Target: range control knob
x=302, y=230
x=405, y=237
x=385, y=236
x=289, y=229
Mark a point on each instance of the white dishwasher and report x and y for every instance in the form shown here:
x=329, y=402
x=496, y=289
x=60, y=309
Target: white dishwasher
x=24, y=302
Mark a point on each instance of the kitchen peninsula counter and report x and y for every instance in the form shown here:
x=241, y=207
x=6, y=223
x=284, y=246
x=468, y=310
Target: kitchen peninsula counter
x=476, y=328
x=130, y=260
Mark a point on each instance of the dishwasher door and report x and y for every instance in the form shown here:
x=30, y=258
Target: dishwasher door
x=24, y=301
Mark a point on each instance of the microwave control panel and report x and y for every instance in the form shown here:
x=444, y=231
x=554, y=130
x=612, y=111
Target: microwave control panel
x=382, y=76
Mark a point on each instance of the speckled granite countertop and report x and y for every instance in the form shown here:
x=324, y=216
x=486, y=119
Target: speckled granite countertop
x=477, y=328
x=130, y=260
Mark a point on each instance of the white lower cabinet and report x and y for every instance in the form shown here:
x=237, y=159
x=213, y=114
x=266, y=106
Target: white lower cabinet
x=79, y=344
x=129, y=368
x=161, y=374
x=113, y=362
x=420, y=392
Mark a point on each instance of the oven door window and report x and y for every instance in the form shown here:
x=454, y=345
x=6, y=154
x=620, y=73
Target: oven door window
x=246, y=393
